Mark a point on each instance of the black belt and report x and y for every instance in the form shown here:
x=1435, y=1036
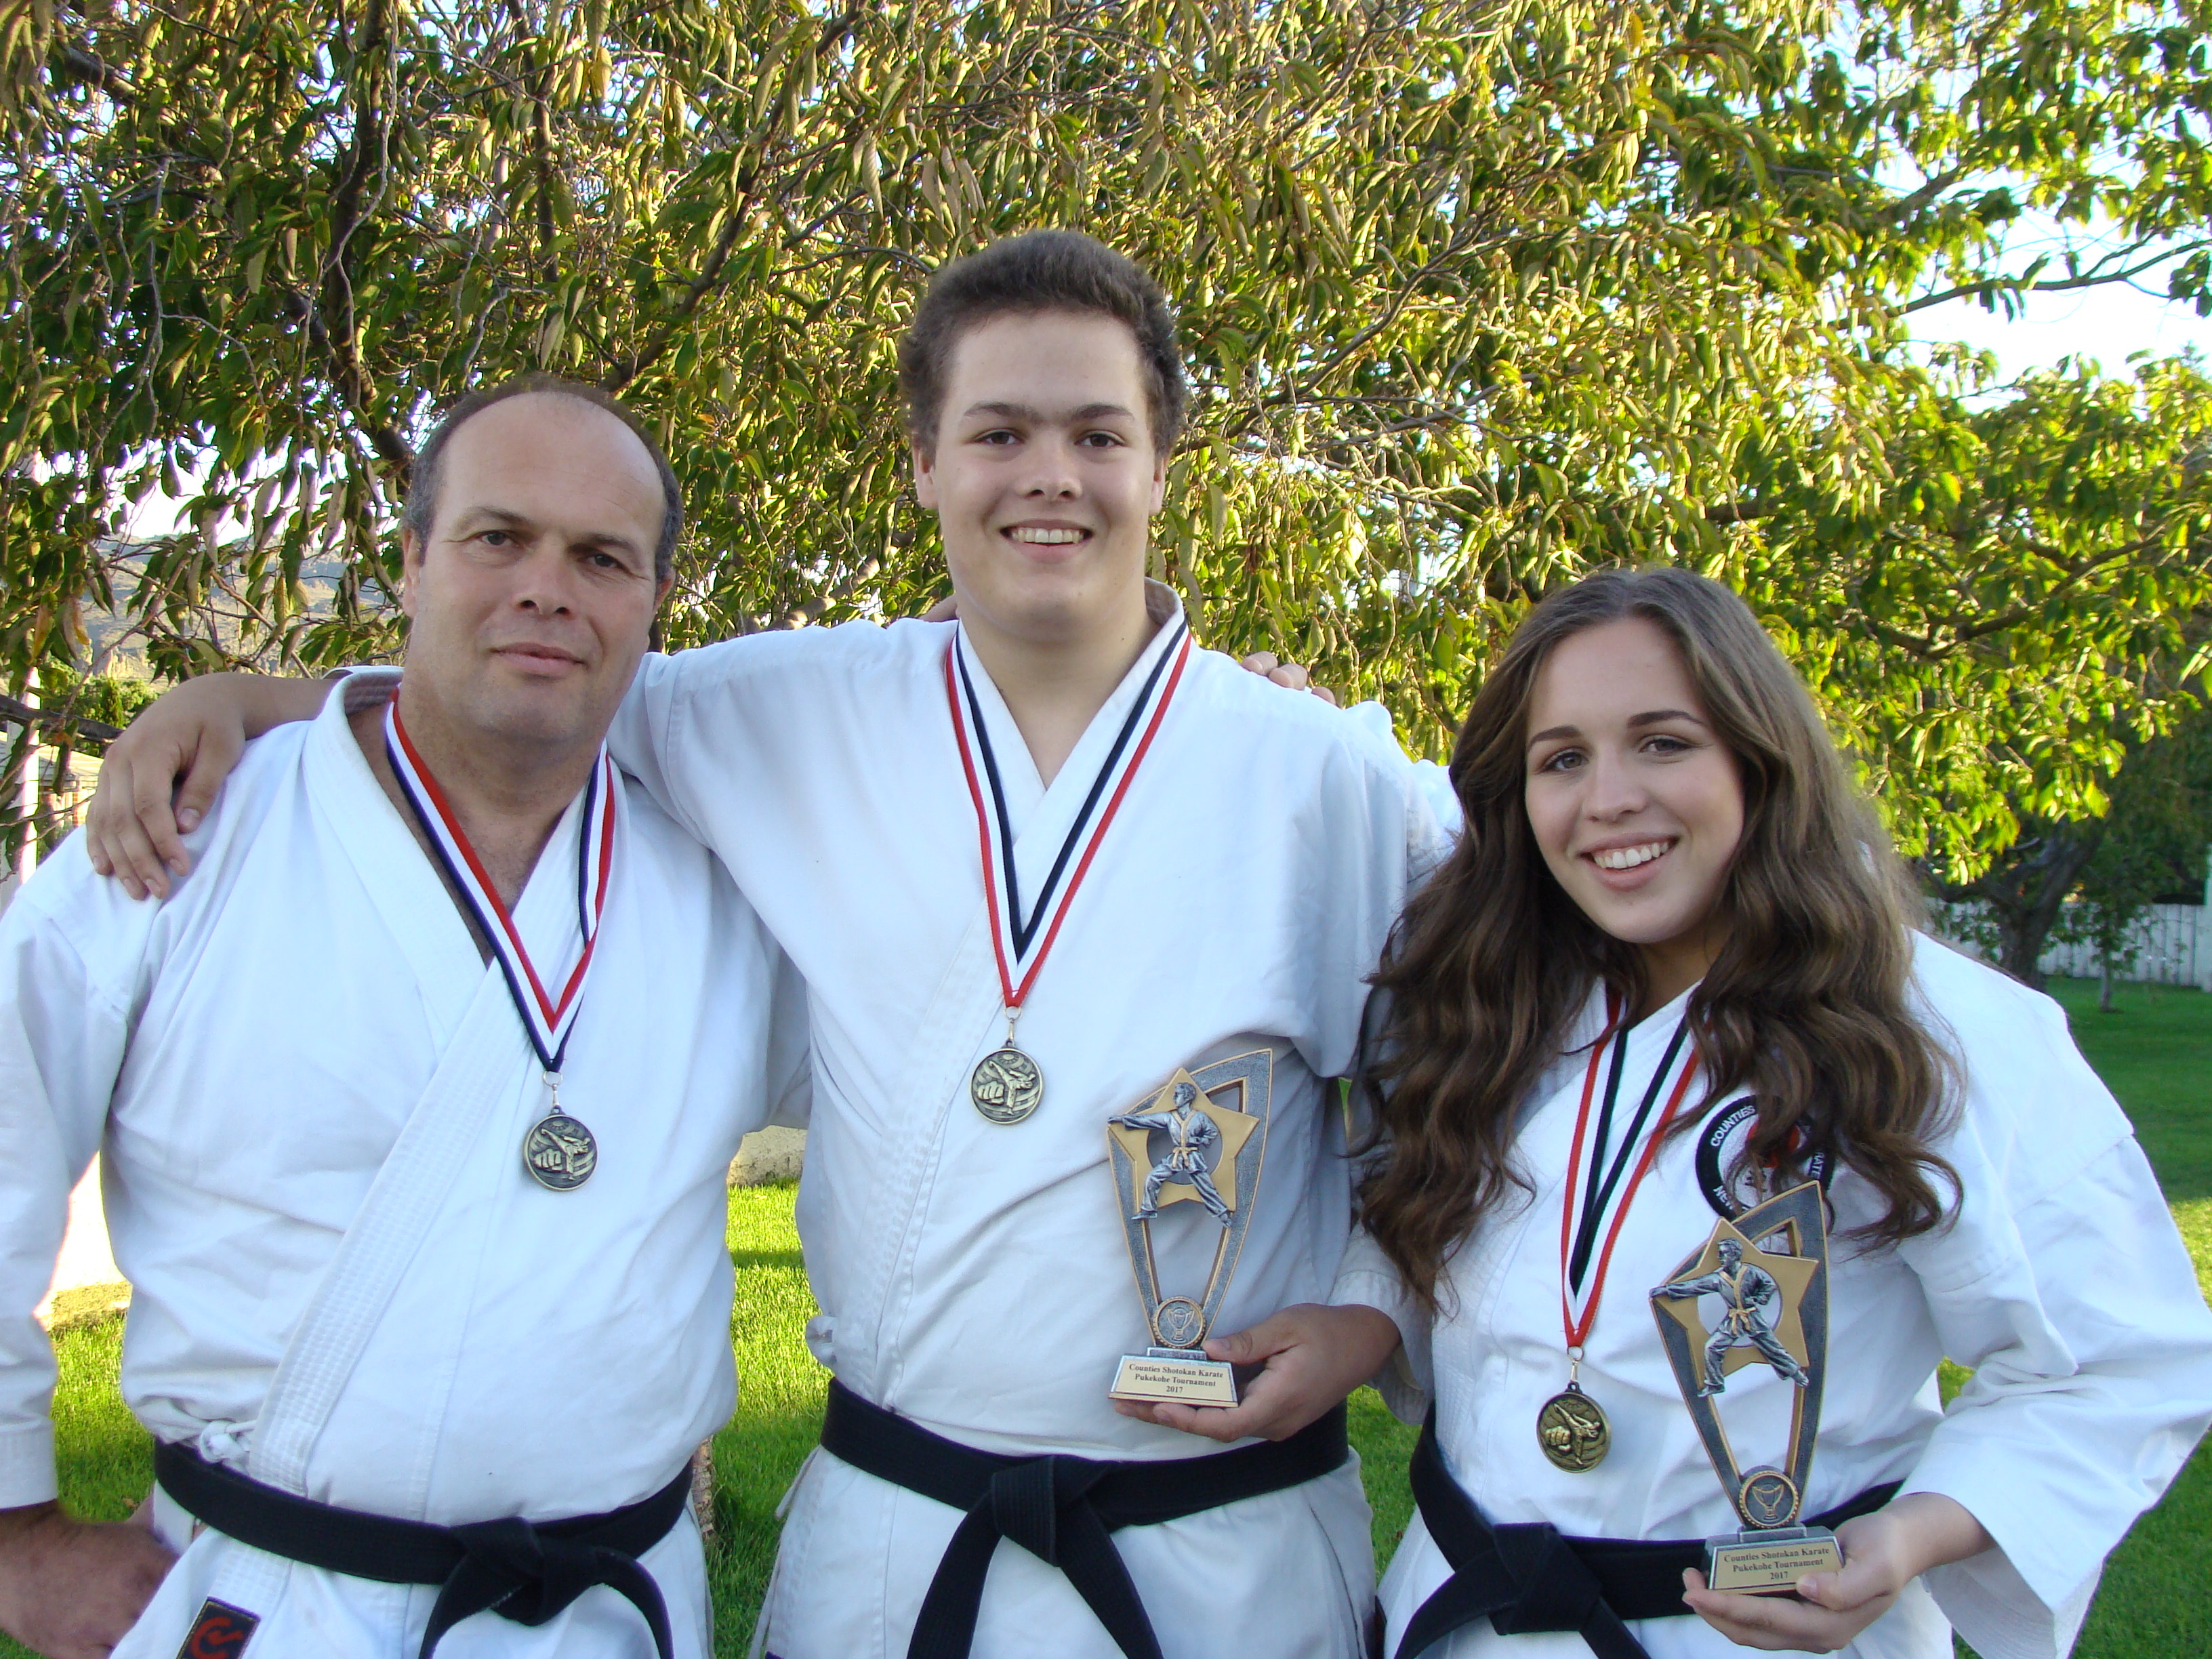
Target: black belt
x=522, y=1571
x=1059, y=1509
x=1529, y=1577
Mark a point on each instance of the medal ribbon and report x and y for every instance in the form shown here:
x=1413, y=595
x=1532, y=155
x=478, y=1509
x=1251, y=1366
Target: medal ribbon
x=1009, y=924
x=1598, y=1212
x=548, y=1019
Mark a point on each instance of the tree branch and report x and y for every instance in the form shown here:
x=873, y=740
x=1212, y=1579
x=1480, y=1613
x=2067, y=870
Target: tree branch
x=93, y=736
x=81, y=65
x=2097, y=278
x=332, y=326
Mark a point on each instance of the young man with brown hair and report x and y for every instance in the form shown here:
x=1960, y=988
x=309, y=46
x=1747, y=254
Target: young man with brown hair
x=1039, y=867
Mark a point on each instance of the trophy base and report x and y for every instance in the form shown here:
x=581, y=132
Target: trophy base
x=1175, y=1376
x=1771, y=1560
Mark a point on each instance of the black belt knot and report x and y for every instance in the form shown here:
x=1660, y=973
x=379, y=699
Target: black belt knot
x=1026, y=1500
x=1064, y=1510
x=527, y=1573
x=511, y=1568
x=1553, y=1589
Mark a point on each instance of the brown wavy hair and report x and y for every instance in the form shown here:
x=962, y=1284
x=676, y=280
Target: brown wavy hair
x=1804, y=1003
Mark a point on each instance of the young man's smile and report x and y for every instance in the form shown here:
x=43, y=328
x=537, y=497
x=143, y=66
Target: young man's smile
x=1044, y=476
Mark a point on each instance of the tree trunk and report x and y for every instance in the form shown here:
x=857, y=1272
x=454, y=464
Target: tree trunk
x=2104, y=982
x=2025, y=891
x=2027, y=923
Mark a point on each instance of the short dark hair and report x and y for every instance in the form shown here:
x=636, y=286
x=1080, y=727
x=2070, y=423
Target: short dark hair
x=423, y=480
x=1042, y=271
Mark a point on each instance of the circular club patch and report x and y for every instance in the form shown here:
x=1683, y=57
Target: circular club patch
x=1769, y=1497
x=1730, y=1185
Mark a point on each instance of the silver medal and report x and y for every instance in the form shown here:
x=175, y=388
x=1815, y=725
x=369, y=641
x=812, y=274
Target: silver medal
x=559, y=1153
x=1005, y=1086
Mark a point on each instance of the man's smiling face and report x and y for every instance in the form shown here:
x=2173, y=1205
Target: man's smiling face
x=533, y=598
x=1044, y=475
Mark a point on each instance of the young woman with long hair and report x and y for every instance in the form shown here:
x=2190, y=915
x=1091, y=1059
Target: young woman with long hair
x=1673, y=973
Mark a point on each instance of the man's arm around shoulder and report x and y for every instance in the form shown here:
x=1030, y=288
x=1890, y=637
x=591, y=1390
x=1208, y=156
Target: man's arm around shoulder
x=158, y=780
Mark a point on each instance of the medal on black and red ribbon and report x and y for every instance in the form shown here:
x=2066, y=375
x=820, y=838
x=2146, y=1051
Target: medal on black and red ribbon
x=1571, y=1427
x=1007, y=1084
x=558, y=1150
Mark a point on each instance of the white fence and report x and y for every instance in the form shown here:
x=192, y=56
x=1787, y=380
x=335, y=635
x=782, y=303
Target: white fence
x=2172, y=945
x=2169, y=945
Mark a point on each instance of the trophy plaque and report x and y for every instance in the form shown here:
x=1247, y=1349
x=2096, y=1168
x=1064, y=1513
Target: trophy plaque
x=1766, y=1273
x=1200, y=1139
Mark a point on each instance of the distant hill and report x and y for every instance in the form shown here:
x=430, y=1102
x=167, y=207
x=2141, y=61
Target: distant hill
x=115, y=643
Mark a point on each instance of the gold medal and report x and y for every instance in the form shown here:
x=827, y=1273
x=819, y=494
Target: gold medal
x=1570, y=1426
x=1573, y=1430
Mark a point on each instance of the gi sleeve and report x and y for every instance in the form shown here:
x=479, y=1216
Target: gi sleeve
x=2064, y=1284
x=62, y=1033
x=711, y=733
x=642, y=738
x=1368, y=1278
x=1439, y=824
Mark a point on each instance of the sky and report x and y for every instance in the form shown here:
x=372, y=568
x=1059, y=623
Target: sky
x=2107, y=324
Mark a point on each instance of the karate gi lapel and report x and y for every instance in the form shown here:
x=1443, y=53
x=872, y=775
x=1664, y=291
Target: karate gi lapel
x=476, y=1081
x=484, y=1059
x=401, y=881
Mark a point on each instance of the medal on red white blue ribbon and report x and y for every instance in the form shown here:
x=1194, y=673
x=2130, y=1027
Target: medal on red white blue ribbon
x=1007, y=1084
x=1571, y=1427
x=558, y=1152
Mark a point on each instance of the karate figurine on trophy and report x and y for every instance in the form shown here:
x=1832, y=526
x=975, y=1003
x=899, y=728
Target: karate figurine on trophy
x=1187, y=1142
x=1773, y=1306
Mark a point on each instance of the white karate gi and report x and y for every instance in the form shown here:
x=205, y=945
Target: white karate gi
x=974, y=1277
x=247, y=1053
x=2062, y=1282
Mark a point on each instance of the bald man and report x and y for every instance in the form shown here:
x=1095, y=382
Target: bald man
x=417, y=1096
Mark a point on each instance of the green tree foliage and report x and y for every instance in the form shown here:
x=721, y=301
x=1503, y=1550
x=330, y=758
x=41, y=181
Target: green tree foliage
x=109, y=699
x=1477, y=295
x=2019, y=603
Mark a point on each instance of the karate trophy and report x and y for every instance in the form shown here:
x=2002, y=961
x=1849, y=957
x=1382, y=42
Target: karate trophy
x=1773, y=1311
x=1200, y=1138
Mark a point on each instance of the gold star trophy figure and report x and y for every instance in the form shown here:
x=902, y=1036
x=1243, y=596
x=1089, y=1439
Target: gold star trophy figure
x=1201, y=1137
x=1773, y=1307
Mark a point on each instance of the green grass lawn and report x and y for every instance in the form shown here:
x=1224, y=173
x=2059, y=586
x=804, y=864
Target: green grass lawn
x=2155, y=1051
